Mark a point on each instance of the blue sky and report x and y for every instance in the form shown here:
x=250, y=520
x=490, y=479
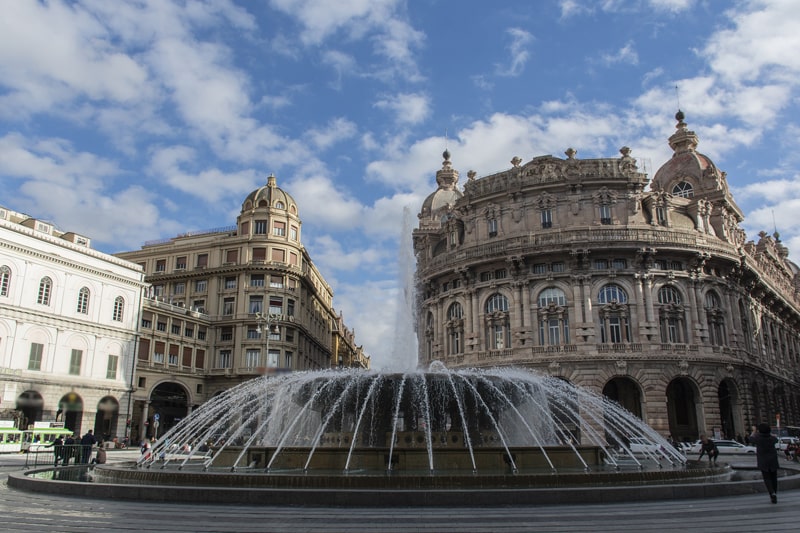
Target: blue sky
x=133, y=121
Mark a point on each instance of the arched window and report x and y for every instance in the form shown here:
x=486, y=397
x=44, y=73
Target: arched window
x=45, y=287
x=455, y=328
x=612, y=294
x=279, y=205
x=671, y=315
x=669, y=295
x=715, y=316
x=497, y=302
x=614, y=314
x=119, y=309
x=498, y=326
x=5, y=280
x=683, y=189
x=553, y=318
x=83, y=301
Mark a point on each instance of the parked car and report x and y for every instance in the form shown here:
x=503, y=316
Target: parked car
x=784, y=442
x=726, y=446
x=642, y=445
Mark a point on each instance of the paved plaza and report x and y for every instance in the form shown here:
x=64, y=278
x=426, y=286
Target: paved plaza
x=23, y=511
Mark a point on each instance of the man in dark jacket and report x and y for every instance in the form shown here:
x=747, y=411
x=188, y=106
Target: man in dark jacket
x=707, y=446
x=767, y=458
x=87, y=441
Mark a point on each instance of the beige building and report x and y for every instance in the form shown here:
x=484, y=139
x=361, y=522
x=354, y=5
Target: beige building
x=229, y=304
x=645, y=291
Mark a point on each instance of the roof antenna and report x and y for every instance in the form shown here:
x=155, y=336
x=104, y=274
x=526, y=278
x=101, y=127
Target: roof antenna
x=775, y=228
x=678, y=96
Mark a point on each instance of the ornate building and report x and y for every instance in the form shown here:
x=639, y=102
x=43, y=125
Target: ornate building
x=651, y=296
x=228, y=304
x=68, y=320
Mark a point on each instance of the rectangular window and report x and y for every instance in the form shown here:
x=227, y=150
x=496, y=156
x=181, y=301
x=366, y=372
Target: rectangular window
x=605, y=214
x=200, y=359
x=547, y=218
x=232, y=256
x=176, y=329
x=293, y=232
x=186, y=360
x=619, y=264
x=558, y=267
x=158, y=352
x=600, y=264
x=201, y=285
x=111, y=369
x=226, y=334
x=161, y=326
x=289, y=335
x=161, y=265
x=272, y=358
x=661, y=215
x=276, y=282
x=486, y=276
x=188, y=332
x=173, y=354
x=199, y=306
x=256, y=304
x=245, y=228
x=260, y=227
x=201, y=334
x=75, y=359
x=147, y=323
x=259, y=254
x=492, y=226
x=288, y=359
x=253, y=333
x=540, y=268
x=252, y=358
x=230, y=283
x=278, y=255
x=256, y=280
x=293, y=259
x=158, y=291
x=228, y=306
x=202, y=260
x=553, y=332
x=224, y=359
x=35, y=358
x=180, y=288
x=279, y=229
x=180, y=263
x=275, y=305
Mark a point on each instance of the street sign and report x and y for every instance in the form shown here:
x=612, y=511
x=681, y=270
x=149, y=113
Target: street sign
x=156, y=417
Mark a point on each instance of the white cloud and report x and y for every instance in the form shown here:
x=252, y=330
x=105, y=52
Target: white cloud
x=337, y=130
x=519, y=52
x=407, y=108
x=761, y=45
x=327, y=206
x=627, y=54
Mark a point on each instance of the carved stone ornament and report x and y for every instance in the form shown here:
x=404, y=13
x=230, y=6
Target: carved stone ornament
x=683, y=366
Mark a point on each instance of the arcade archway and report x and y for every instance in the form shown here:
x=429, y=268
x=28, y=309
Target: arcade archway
x=105, y=422
x=682, y=400
x=31, y=404
x=169, y=404
x=625, y=392
x=70, y=409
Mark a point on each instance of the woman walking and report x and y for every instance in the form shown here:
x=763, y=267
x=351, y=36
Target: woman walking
x=767, y=458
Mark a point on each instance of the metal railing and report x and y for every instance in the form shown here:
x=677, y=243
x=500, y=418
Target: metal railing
x=52, y=455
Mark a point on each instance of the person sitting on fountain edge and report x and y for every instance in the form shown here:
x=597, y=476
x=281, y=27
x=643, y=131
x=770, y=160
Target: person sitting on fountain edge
x=708, y=447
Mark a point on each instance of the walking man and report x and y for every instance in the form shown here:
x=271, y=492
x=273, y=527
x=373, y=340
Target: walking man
x=767, y=458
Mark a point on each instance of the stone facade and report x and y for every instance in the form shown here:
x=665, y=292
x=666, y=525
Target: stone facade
x=229, y=304
x=68, y=320
x=646, y=291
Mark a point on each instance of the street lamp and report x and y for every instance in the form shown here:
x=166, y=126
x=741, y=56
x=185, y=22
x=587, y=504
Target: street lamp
x=270, y=324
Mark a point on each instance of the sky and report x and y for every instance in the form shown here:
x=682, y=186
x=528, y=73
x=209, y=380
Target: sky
x=139, y=120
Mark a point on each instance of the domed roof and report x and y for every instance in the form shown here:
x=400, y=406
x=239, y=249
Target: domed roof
x=270, y=195
x=447, y=194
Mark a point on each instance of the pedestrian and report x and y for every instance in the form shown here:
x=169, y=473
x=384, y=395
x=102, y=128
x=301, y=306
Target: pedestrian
x=58, y=449
x=708, y=447
x=69, y=448
x=767, y=457
x=87, y=441
x=100, y=459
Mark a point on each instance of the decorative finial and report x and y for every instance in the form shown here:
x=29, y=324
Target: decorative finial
x=446, y=155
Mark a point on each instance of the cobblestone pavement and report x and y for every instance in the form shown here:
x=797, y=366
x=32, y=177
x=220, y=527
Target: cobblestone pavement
x=23, y=511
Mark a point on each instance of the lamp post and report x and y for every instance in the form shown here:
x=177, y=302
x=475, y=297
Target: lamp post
x=270, y=324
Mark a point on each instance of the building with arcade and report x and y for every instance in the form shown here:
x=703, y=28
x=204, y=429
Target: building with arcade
x=645, y=290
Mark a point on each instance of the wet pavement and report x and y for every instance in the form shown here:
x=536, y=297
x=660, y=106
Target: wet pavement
x=24, y=511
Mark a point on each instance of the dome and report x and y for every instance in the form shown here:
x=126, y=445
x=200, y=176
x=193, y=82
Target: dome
x=447, y=194
x=270, y=195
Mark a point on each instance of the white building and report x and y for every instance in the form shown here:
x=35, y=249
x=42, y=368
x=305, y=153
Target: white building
x=68, y=321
